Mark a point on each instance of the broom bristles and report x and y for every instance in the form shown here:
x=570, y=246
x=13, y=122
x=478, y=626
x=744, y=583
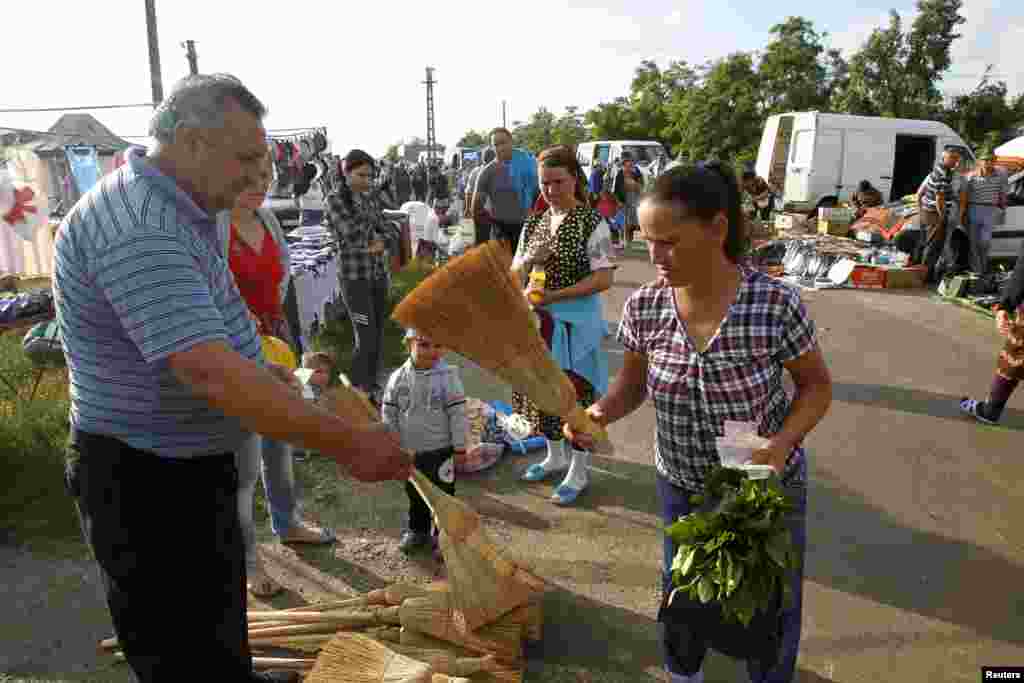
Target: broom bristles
x=454, y=516
x=433, y=615
x=479, y=594
x=479, y=286
x=354, y=658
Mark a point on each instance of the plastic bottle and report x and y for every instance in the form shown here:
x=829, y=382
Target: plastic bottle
x=538, y=278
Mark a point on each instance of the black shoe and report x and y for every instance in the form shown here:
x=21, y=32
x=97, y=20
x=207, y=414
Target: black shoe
x=413, y=540
x=277, y=677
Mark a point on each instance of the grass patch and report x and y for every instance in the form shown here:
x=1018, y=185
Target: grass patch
x=336, y=336
x=33, y=433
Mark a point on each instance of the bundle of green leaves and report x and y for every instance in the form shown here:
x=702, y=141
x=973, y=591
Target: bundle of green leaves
x=736, y=549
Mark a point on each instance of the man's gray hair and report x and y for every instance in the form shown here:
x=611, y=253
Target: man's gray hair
x=199, y=102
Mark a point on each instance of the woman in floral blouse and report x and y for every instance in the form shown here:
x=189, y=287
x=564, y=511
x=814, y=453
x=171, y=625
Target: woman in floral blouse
x=572, y=243
x=708, y=342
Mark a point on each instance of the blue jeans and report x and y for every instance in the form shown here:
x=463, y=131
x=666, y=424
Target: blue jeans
x=278, y=482
x=675, y=502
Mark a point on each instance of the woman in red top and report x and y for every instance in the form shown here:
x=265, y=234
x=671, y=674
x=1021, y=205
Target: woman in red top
x=257, y=253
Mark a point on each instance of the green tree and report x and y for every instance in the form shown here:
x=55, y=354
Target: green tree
x=792, y=69
x=720, y=116
x=610, y=120
x=474, y=138
x=537, y=133
x=983, y=116
x=392, y=153
x=896, y=73
x=569, y=128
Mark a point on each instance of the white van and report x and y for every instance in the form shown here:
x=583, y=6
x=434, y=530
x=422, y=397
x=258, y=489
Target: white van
x=819, y=159
x=645, y=152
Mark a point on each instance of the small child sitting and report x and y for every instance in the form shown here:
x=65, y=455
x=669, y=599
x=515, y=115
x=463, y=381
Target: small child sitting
x=425, y=403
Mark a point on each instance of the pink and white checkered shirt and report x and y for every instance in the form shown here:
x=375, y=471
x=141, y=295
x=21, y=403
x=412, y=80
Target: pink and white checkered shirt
x=738, y=377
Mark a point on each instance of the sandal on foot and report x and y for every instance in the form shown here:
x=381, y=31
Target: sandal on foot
x=973, y=408
x=303, y=532
x=261, y=585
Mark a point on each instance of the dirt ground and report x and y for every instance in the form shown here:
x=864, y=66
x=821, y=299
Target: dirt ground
x=914, y=560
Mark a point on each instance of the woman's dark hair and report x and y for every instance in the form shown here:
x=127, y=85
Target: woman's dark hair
x=705, y=192
x=564, y=156
x=865, y=186
x=748, y=174
x=489, y=155
x=357, y=158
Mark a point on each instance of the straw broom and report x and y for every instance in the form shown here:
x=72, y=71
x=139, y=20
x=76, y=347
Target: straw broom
x=354, y=658
x=433, y=615
x=479, y=286
x=338, y=621
x=262, y=663
x=484, y=585
x=444, y=662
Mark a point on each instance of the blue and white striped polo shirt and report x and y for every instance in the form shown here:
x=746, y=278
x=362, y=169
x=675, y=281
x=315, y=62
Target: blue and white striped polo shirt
x=139, y=276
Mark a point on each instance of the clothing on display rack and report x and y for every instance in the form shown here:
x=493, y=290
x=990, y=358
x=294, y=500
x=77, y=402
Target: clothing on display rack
x=85, y=166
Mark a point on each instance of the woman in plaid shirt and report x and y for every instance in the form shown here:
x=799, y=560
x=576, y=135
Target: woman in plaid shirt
x=708, y=342
x=355, y=217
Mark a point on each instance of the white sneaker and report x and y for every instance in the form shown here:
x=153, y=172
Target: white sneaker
x=557, y=460
x=576, y=480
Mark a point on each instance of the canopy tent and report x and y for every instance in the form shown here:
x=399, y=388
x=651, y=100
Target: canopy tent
x=1013, y=148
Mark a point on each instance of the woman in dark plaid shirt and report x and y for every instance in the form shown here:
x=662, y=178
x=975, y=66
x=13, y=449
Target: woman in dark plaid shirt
x=355, y=217
x=708, y=343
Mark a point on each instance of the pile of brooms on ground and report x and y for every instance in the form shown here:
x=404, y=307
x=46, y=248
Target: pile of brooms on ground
x=473, y=626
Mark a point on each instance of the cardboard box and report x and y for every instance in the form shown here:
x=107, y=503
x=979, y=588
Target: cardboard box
x=868, y=277
x=827, y=227
x=905, y=278
x=791, y=221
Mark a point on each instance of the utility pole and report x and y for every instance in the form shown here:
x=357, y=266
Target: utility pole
x=504, y=115
x=154, y=54
x=431, y=134
x=193, y=58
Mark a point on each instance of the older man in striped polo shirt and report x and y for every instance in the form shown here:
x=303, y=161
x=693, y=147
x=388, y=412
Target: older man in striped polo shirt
x=167, y=379
x=983, y=196
x=934, y=198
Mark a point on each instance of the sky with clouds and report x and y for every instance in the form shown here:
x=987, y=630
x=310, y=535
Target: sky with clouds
x=357, y=68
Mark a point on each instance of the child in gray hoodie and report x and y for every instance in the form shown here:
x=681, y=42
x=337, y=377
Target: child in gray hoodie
x=425, y=403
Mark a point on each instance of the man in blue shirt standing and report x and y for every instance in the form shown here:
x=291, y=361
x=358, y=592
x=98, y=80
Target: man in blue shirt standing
x=511, y=184
x=167, y=380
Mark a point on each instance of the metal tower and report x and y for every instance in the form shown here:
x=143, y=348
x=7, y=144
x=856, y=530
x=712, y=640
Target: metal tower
x=431, y=133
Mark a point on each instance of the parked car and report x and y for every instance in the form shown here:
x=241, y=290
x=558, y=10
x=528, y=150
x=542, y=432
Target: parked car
x=817, y=159
x=645, y=153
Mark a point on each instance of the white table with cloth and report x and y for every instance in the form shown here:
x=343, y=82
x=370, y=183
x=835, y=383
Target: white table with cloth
x=315, y=275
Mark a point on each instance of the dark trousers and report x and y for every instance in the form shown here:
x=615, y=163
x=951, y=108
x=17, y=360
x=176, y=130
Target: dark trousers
x=507, y=233
x=366, y=302
x=438, y=466
x=934, y=225
x=675, y=502
x=172, y=564
x=483, y=231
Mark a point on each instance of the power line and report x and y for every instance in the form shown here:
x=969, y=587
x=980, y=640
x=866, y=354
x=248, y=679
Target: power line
x=148, y=105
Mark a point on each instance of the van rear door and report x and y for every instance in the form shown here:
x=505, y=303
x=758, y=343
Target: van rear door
x=798, y=171
x=870, y=155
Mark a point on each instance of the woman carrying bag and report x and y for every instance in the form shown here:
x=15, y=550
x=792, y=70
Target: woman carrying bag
x=708, y=343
